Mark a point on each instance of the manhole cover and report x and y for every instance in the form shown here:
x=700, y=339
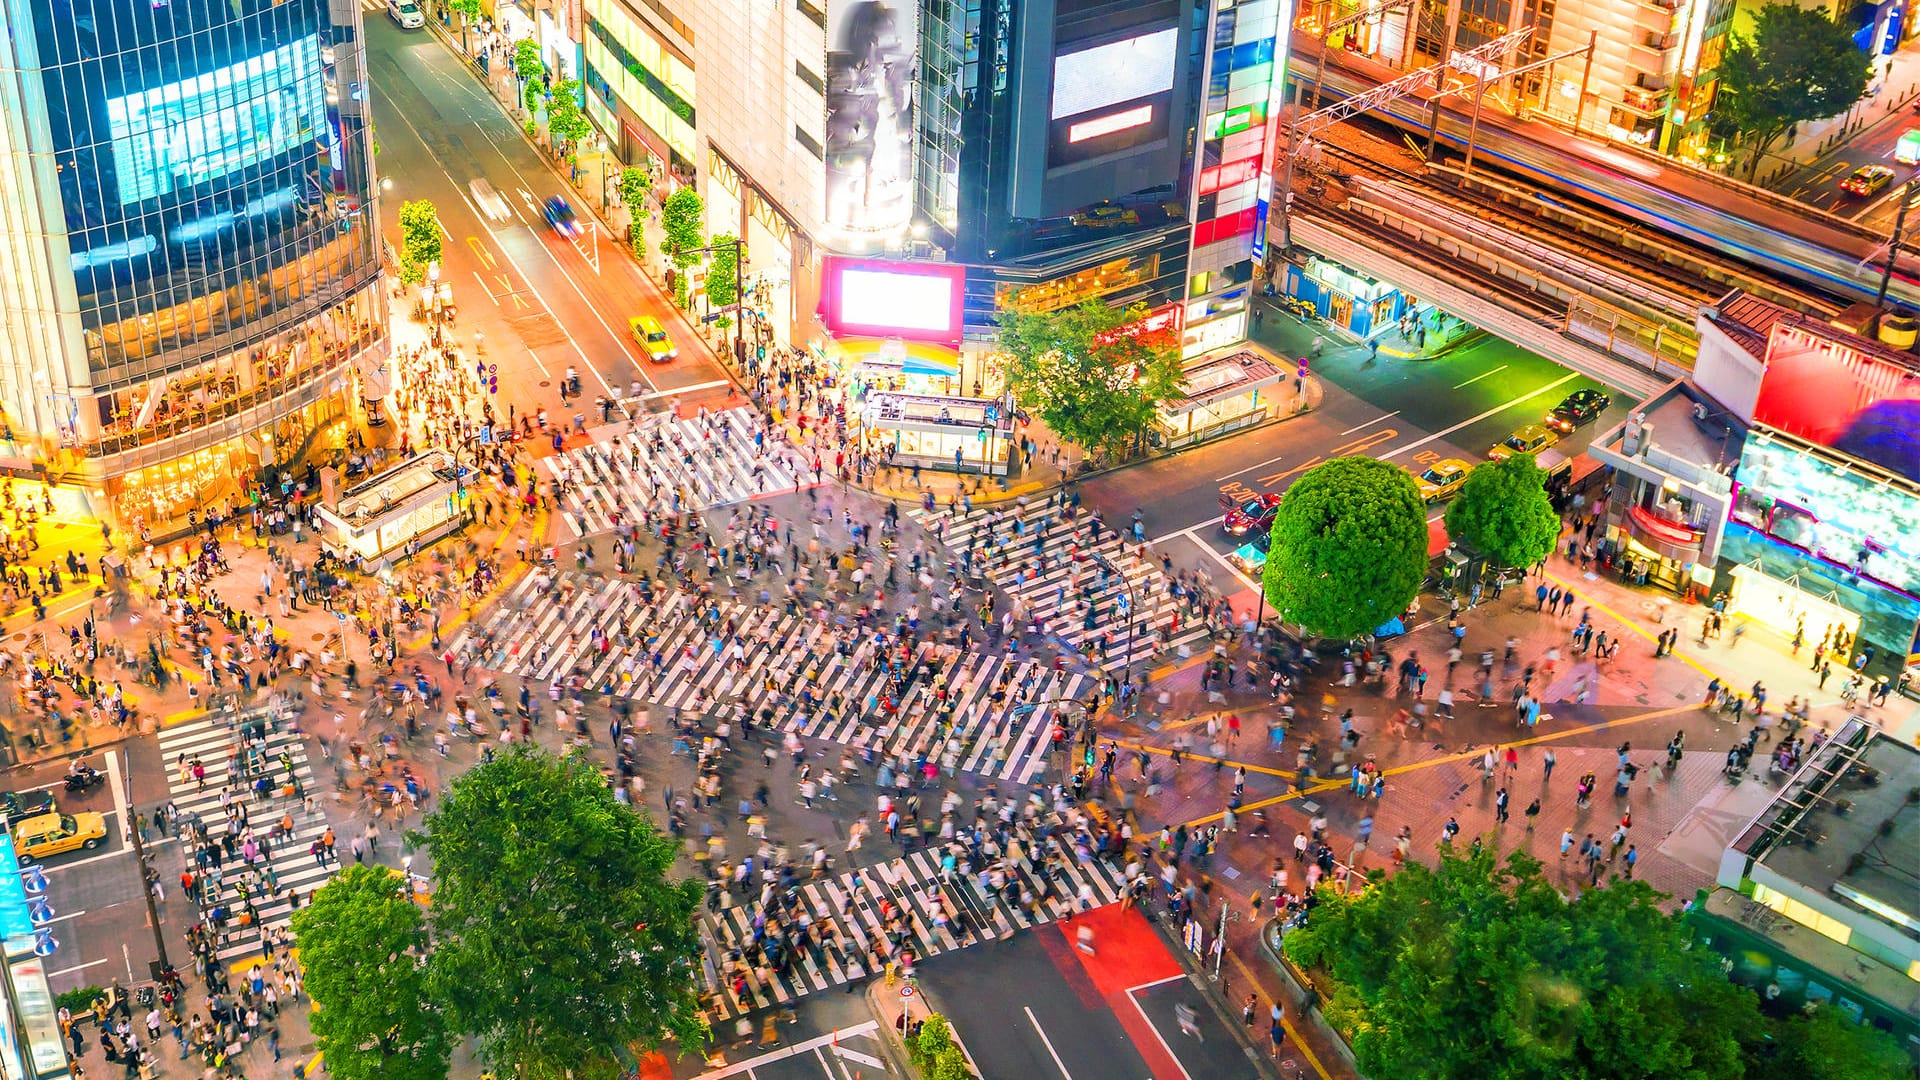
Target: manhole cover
x=319, y=637
x=544, y=382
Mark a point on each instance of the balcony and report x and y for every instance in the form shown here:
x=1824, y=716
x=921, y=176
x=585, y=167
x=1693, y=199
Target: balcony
x=1657, y=43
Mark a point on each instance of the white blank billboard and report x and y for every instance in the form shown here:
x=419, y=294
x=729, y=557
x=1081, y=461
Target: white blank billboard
x=1110, y=74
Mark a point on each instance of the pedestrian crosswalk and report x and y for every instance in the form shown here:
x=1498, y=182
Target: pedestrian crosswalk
x=232, y=763
x=694, y=463
x=854, y=904
x=793, y=672
x=1080, y=583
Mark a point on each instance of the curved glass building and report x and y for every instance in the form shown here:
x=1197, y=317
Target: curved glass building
x=190, y=267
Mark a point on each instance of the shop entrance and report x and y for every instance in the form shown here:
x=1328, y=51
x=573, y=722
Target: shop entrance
x=1785, y=606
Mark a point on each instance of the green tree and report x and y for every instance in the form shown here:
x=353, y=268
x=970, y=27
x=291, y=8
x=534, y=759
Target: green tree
x=683, y=219
x=561, y=938
x=636, y=183
x=469, y=12
x=1349, y=547
x=1796, y=65
x=565, y=122
x=1828, y=1045
x=1477, y=969
x=723, y=273
x=528, y=67
x=1091, y=386
x=363, y=944
x=420, y=240
x=1503, y=511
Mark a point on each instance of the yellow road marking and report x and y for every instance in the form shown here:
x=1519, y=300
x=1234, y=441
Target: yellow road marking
x=1286, y=1024
x=480, y=250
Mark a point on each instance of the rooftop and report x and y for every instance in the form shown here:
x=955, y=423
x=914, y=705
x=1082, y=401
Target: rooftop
x=1748, y=319
x=1685, y=444
x=1848, y=826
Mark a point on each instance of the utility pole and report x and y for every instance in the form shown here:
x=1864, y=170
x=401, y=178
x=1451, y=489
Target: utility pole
x=146, y=887
x=1893, y=245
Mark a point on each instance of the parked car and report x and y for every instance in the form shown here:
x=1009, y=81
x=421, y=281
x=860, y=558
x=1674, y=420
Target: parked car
x=1530, y=439
x=53, y=834
x=1867, y=179
x=18, y=806
x=1580, y=407
x=560, y=215
x=1254, y=515
x=1441, y=481
x=652, y=337
x=406, y=13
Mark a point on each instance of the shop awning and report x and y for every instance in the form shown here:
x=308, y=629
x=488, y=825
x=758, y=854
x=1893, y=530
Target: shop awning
x=895, y=356
x=1668, y=539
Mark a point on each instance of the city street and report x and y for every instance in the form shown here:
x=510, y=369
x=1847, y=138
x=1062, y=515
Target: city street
x=1410, y=412
x=1818, y=183
x=544, y=302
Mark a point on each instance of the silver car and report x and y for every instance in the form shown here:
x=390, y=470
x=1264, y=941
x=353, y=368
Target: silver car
x=489, y=201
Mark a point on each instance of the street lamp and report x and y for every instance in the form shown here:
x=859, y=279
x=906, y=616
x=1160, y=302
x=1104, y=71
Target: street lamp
x=1133, y=606
x=1021, y=712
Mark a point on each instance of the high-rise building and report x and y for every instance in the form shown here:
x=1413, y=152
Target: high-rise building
x=1051, y=147
x=190, y=268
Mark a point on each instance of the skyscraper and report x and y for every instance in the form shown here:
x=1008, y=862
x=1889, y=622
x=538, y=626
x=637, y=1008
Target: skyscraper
x=190, y=267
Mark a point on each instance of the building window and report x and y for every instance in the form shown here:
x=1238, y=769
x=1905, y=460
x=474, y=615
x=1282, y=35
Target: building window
x=1802, y=913
x=819, y=17
x=809, y=78
x=813, y=147
x=680, y=106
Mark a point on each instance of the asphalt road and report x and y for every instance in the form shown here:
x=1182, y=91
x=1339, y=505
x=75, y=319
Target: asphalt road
x=1818, y=185
x=544, y=302
x=1410, y=412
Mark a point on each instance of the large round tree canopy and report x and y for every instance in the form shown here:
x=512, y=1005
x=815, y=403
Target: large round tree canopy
x=1349, y=548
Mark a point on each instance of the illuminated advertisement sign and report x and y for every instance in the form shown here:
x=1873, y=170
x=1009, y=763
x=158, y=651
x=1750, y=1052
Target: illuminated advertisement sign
x=869, y=99
x=874, y=298
x=1110, y=123
x=1276, y=95
x=1833, y=393
x=1166, y=319
x=39, y=1021
x=15, y=922
x=168, y=138
x=1113, y=73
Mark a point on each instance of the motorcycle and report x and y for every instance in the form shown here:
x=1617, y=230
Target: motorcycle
x=79, y=783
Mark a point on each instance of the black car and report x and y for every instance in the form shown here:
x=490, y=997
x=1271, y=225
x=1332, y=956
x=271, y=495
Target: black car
x=1580, y=407
x=21, y=805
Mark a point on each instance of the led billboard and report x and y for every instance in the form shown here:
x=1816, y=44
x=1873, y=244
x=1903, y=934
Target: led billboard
x=1113, y=73
x=1832, y=392
x=873, y=298
x=168, y=138
x=870, y=126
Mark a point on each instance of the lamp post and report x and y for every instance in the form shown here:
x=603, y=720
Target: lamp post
x=146, y=887
x=1028, y=709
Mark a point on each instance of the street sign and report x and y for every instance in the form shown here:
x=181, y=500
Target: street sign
x=906, y=992
x=493, y=369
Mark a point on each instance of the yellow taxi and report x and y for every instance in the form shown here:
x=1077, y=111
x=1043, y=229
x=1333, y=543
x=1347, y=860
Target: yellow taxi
x=652, y=338
x=1528, y=440
x=1442, y=479
x=53, y=834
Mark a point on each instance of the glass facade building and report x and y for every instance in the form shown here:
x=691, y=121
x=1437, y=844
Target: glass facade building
x=190, y=263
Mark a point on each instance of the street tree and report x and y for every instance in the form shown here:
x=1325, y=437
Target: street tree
x=470, y=12
x=566, y=124
x=636, y=183
x=683, y=219
x=1828, y=1045
x=1477, y=968
x=1348, y=549
x=561, y=936
x=420, y=240
x=363, y=944
x=723, y=276
x=1796, y=65
x=1091, y=382
x=529, y=68
x=1503, y=511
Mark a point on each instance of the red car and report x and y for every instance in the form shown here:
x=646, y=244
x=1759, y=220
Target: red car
x=1254, y=515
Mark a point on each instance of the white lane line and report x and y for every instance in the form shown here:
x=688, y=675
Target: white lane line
x=1248, y=469
x=868, y=1060
x=1482, y=375
x=84, y=862
x=1155, y=1028
x=1048, y=1043
x=1368, y=424
x=671, y=390
x=119, y=795
x=1219, y=558
x=63, y=918
x=77, y=967
x=1496, y=410
x=747, y=1066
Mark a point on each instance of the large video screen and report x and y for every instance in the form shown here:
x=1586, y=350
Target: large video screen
x=868, y=297
x=168, y=138
x=1110, y=74
x=1854, y=401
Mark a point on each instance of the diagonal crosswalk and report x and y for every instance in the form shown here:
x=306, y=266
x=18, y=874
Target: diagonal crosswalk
x=1052, y=570
x=687, y=464
x=232, y=761
x=854, y=902
x=793, y=671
